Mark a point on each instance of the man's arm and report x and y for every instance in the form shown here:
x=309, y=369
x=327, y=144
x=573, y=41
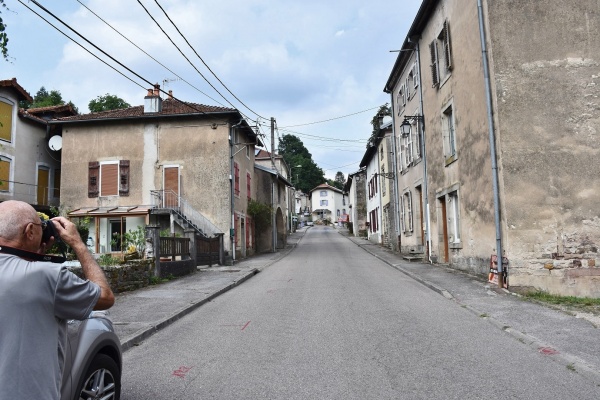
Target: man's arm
x=91, y=270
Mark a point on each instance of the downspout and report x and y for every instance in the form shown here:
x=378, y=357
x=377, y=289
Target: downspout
x=231, y=189
x=424, y=155
x=395, y=166
x=492, y=139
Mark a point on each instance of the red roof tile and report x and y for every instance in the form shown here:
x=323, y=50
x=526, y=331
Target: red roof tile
x=22, y=93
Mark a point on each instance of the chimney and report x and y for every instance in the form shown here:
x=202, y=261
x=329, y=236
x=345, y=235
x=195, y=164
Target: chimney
x=170, y=95
x=152, y=101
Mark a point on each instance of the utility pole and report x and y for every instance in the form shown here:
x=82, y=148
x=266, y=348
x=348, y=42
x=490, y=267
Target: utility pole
x=273, y=188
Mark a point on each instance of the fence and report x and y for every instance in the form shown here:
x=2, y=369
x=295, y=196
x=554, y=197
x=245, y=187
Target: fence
x=208, y=250
x=29, y=193
x=174, y=247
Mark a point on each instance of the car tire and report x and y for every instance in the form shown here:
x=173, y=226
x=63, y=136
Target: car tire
x=102, y=379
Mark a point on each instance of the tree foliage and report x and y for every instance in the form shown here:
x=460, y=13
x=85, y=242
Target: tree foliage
x=340, y=180
x=45, y=98
x=384, y=111
x=107, y=102
x=3, y=34
x=295, y=153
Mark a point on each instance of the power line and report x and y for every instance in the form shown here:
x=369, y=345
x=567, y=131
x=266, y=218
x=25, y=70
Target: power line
x=201, y=59
x=324, y=138
x=143, y=51
x=102, y=51
x=331, y=119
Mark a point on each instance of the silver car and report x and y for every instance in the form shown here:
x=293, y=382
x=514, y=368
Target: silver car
x=93, y=360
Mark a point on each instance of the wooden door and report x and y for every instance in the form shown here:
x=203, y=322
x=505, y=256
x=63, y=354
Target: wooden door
x=171, y=187
x=42, y=186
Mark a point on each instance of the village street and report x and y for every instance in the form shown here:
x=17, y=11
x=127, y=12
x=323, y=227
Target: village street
x=331, y=321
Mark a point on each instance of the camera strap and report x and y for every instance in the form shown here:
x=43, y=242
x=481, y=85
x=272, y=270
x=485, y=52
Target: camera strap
x=32, y=256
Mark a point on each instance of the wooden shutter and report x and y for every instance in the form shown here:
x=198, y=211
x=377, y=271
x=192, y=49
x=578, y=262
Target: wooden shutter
x=447, y=46
x=4, y=174
x=6, y=113
x=249, y=185
x=109, y=179
x=236, y=170
x=124, y=178
x=93, y=179
x=434, y=63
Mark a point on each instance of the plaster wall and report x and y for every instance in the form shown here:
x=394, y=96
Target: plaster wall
x=546, y=75
x=468, y=173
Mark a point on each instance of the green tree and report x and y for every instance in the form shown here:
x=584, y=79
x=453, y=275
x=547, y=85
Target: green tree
x=384, y=111
x=3, y=34
x=107, y=102
x=295, y=153
x=339, y=181
x=43, y=98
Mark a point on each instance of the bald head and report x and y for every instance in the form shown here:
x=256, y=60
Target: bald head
x=14, y=216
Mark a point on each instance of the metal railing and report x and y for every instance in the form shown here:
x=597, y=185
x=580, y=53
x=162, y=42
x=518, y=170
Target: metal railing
x=29, y=193
x=170, y=200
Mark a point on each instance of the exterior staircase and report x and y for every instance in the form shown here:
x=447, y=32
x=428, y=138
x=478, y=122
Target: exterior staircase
x=169, y=202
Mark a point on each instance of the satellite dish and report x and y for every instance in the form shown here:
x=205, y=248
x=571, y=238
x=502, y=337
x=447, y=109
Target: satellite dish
x=55, y=143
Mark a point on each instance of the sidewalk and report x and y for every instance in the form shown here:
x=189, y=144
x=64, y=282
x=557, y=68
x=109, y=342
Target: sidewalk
x=138, y=314
x=570, y=339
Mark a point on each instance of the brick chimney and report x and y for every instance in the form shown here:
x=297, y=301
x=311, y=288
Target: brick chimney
x=152, y=101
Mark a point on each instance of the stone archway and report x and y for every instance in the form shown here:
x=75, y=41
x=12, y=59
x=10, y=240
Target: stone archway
x=280, y=223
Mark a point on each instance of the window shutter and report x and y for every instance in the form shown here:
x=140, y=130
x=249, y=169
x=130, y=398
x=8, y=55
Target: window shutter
x=124, y=178
x=236, y=170
x=407, y=88
x=109, y=183
x=415, y=75
x=93, y=177
x=447, y=46
x=410, y=213
x=249, y=185
x=434, y=63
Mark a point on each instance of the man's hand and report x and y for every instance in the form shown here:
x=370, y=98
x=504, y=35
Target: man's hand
x=67, y=231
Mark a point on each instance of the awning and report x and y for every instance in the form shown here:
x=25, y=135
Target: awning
x=110, y=211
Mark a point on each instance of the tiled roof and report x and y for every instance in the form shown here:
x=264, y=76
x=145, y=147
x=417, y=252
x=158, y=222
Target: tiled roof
x=56, y=109
x=24, y=114
x=22, y=94
x=169, y=107
x=326, y=186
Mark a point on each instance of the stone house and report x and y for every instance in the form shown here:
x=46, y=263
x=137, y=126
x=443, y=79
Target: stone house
x=167, y=163
x=273, y=188
x=30, y=168
x=355, y=190
x=510, y=111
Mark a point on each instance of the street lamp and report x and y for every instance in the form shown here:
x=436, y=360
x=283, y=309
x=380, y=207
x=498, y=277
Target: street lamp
x=291, y=172
x=406, y=124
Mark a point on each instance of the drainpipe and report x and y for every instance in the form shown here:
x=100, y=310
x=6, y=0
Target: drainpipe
x=423, y=154
x=231, y=189
x=492, y=139
x=395, y=166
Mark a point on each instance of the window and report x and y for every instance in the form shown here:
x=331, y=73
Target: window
x=383, y=186
x=453, y=218
x=408, y=148
x=440, y=50
x=236, y=173
x=249, y=185
x=407, y=85
x=5, y=174
x=449, y=132
x=400, y=146
x=6, y=120
x=415, y=75
x=323, y=193
x=324, y=202
x=108, y=178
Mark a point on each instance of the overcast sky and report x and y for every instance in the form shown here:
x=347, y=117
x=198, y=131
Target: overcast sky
x=297, y=61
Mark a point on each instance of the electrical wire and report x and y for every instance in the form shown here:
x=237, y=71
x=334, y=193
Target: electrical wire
x=201, y=59
x=190, y=105
x=331, y=119
x=143, y=51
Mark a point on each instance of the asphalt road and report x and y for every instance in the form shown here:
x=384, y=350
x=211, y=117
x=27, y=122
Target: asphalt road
x=330, y=321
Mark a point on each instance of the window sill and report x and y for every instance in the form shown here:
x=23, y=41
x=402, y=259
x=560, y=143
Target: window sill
x=455, y=245
x=449, y=160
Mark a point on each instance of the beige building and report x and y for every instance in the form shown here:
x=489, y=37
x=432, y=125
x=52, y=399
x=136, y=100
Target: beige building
x=167, y=162
x=510, y=137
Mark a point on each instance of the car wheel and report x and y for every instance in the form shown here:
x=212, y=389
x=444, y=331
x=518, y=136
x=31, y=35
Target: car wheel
x=102, y=380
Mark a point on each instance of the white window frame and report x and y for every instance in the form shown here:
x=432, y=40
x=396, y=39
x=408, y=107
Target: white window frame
x=449, y=132
x=324, y=203
x=407, y=212
x=453, y=212
x=323, y=193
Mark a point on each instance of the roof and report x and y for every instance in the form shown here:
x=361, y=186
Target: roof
x=327, y=186
x=21, y=93
x=273, y=172
x=170, y=107
x=414, y=32
x=64, y=110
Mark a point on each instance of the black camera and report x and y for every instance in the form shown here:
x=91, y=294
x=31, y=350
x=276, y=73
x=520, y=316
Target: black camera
x=48, y=231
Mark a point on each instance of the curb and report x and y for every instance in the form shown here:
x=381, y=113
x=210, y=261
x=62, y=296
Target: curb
x=136, y=339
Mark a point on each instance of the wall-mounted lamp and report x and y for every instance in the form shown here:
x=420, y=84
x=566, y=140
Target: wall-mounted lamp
x=406, y=124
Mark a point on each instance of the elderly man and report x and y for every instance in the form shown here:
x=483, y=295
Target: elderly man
x=36, y=300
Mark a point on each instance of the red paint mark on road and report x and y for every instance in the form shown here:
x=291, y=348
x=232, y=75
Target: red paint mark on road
x=247, y=323
x=182, y=371
x=548, y=351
